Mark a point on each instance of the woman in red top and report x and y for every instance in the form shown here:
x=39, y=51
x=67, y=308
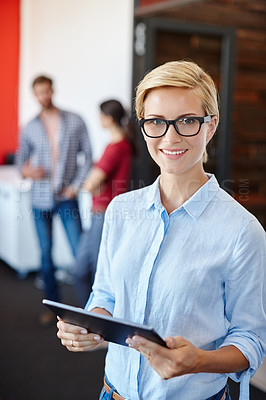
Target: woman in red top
x=109, y=177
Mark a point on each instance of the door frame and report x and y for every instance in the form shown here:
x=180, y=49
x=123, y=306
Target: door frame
x=227, y=72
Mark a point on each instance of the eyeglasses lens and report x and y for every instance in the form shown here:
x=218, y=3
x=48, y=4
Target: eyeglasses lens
x=185, y=126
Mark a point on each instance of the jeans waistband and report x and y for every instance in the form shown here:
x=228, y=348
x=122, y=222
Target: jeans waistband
x=216, y=396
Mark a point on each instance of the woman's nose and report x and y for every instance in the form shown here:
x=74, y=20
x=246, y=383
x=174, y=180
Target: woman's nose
x=172, y=135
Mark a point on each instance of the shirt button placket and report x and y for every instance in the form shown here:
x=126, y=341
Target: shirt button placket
x=143, y=288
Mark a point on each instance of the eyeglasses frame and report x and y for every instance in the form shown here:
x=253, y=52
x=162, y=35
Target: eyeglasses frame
x=169, y=122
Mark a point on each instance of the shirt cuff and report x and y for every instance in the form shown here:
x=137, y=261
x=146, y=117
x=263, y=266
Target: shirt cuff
x=254, y=358
x=95, y=302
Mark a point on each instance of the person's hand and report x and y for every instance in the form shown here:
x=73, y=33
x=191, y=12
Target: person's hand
x=35, y=173
x=69, y=192
x=87, y=186
x=76, y=338
x=179, y=358
x=95, y=182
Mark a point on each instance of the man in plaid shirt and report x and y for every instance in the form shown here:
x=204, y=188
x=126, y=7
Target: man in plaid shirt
x=48, y=154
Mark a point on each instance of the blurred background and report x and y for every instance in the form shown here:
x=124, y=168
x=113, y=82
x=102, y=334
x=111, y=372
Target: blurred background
x=95, y=50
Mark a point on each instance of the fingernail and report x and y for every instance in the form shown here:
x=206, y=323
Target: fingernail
x=135, y=340
x=97, y=338
x=84, y=332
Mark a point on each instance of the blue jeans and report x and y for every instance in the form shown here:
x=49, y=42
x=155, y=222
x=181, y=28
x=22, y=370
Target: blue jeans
x=70, y=217
x=218, y=395
x=86, y=259
x=108, y=396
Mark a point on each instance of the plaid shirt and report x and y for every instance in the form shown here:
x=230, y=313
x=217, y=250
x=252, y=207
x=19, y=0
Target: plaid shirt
x=70, y=169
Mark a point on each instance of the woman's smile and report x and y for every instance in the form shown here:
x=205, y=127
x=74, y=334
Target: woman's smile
x=173, y=154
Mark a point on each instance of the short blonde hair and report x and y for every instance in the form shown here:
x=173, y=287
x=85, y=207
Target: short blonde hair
x=181, y=74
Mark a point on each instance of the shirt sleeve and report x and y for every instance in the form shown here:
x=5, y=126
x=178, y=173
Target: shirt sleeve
x=85, y=149
x=102, y=295
x=245, y=300
x=110, y=158
x=24, y=149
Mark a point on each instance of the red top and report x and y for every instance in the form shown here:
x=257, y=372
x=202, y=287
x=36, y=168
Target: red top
x=116, y=163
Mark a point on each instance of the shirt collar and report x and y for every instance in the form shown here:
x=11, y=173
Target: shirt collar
x=153, y=197
x=201, y=199
x=195, y=205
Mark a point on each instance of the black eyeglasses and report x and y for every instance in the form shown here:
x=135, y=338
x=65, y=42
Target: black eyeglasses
x=185, y=126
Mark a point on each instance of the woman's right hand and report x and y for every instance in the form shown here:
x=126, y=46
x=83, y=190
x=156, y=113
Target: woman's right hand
x=76, y=338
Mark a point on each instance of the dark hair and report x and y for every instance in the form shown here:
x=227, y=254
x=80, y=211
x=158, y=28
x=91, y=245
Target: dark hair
x=42, y=79
x=115, y=109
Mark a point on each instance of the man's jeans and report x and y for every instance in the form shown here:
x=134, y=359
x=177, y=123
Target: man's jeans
x=70, y=217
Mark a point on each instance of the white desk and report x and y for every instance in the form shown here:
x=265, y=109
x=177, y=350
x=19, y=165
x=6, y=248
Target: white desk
x=19, y=246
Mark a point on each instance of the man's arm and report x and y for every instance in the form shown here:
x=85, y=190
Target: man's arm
x=85, y=148
x=28, y=171
x=23, y=151
x=23, y=160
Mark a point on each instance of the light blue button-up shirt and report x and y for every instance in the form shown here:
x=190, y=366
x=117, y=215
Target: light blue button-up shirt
x=198, y=273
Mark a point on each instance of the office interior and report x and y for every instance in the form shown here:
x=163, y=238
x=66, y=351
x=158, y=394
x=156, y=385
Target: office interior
x=95, y=51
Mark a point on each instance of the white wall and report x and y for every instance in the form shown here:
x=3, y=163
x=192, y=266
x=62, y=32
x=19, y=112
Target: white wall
x=86, y=46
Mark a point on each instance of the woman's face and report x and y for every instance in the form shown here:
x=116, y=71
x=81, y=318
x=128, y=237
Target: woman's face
x=176, y=154
x=105, y=120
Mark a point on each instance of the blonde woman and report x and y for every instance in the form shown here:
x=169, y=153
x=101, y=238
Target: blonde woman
x=188, y=259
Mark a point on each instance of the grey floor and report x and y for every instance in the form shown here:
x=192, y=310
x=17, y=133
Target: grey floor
x=33, y=363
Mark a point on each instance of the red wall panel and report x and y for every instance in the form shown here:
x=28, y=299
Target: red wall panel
x=9, y=73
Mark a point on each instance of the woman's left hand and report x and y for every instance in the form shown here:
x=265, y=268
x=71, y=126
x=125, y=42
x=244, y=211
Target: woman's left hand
x=179, y=358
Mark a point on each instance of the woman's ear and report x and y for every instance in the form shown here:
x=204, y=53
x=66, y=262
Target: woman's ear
x=212, y=126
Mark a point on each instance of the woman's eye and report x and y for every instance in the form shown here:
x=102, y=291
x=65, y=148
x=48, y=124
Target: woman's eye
x=187, y=121
x=158, y=122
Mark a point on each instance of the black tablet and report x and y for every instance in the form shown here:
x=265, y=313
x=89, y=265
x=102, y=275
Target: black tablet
x=111, y=329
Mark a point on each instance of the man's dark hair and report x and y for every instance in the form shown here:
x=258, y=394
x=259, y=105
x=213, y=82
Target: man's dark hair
x=42, y=79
